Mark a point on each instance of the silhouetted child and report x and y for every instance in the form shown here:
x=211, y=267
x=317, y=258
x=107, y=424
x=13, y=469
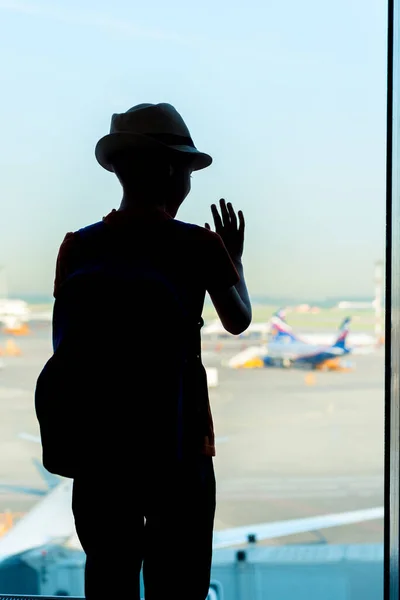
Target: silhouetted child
x=142, y=406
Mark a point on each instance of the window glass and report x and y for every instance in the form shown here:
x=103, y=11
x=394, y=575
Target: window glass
x=290, y=101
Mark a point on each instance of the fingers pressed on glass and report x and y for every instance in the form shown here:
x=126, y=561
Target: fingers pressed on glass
x=241, y=221
x=232, y=215
x=217, y=218
x=224, y=212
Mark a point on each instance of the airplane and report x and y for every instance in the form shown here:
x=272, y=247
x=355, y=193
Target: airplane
x=254, y=329
x=359, y=342
x=16, y=314
x=281, y=330
x=48, y=528
x=286, y=349
x=216, y=329
x=50, y=522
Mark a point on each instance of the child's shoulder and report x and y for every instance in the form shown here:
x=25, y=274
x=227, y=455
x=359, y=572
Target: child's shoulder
x=196, y=232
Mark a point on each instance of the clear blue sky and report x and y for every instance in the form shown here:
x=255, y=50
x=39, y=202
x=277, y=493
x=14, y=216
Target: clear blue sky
x=288, y=97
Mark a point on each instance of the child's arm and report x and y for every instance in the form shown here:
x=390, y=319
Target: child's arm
x=232, y=304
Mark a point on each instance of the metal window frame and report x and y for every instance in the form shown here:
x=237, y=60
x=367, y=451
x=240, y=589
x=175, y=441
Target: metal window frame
x=392, y=324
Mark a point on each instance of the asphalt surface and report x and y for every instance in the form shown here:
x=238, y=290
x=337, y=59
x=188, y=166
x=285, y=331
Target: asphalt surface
x=285, y=449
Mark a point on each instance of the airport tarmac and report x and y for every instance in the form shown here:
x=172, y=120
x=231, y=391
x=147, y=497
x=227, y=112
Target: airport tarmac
x=285, y=448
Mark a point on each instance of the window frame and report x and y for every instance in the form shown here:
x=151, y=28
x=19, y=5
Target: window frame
x=392, y=305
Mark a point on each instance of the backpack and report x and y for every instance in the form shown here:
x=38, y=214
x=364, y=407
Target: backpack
x=148, y=361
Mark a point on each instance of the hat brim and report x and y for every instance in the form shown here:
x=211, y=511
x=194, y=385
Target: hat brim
x=112, y=143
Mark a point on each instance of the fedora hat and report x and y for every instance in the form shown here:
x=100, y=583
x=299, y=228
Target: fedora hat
x=150, y=126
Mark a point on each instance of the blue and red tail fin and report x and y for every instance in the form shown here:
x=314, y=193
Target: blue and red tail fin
x=280, y=330
x=343, y=333
x=280, y=314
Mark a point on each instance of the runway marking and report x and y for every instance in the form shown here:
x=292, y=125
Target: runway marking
x=301, y=487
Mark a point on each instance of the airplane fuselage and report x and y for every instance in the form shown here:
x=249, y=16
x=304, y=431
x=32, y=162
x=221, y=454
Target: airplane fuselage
x=299, y=354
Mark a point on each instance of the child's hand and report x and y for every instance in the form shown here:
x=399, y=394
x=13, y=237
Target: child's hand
x=227, y=228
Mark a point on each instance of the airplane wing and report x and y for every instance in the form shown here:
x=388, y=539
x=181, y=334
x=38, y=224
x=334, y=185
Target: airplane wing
x=266, y=531
x=30, y=437
x=51, y=480
x=20, y=489
x=49, y=521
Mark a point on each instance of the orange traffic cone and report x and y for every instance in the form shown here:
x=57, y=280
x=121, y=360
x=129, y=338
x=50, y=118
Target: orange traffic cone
x=310, y=379
x=12, y=348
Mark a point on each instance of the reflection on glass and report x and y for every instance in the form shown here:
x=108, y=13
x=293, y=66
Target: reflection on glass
x=290, y=101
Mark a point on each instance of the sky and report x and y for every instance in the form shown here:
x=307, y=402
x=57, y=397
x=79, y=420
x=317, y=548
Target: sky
x=288, y=97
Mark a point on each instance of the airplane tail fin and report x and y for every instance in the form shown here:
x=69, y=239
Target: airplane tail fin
x=343, y=333
x=280, y=330
x=280, y=314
